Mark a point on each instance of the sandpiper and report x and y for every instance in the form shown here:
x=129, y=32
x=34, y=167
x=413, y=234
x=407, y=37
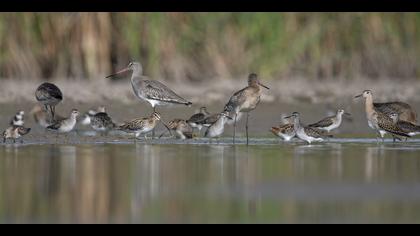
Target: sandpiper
x=330, y=123
x=87, y=117
x=14, y=132
x=285, y=130
x=379, y=121
x=307, y=134
x=197, y=120
x=245, y=100
x=182, y=128
x=42, y=117
x=49, y=95
x=18, y=119
x=217, y=128
x=407, y=127
x=65, y=125
x=404, y=110
x=102, y=122
x=141, y=125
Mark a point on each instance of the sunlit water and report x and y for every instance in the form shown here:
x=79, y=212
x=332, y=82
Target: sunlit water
x=350, y=181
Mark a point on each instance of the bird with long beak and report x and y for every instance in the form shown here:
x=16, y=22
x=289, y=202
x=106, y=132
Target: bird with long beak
x=152, y=91
x=378, y=117
x=245, y=100
x=404, y=110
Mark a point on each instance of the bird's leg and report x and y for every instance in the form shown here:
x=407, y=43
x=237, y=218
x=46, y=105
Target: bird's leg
x=53, y=112
x=234, y=128
x=246, y=127
x=14, y=140
x=153, y=131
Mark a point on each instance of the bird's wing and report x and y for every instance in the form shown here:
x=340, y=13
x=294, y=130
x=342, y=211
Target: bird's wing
x=197, y=118
x=134, y=124
x=316, y=133
x=236, y=99
x=210, y=119
x=386, y=123
x=323, y=123
x=54, y=126
x=157, y=91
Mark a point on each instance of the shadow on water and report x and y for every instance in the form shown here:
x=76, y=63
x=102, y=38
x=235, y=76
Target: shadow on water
x=116, y=183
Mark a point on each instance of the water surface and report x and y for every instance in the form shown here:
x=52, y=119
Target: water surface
x=336, y=182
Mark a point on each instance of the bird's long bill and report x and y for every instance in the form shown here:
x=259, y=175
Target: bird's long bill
x=119, y=72
x=358, y=96
x=287, y=117
x=263, y=85
x=347, y=114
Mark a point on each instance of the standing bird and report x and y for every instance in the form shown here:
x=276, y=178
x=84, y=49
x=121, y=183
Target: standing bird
x=330, y=123
x=404, y=110
x=141, y=125
x=102, y=122
x=65, y=125
x=245, y=100
x=49, y=95
x=196, y=120
x=378, y=120
x=217, y=128
x=307, y=134
x=18, y=119
x=14, y=132
x=152, y=91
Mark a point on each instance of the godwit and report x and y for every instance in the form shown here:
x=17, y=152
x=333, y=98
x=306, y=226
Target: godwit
x=330, y=123
x=65, y=125
x=404, y=110
x=217, y=128
x=49, y=95
x=379, y=121
x=87, y=117
x=182, y=129
x=102, y=122
x=307, y=134
x=18, y=119
x=245, y=100
x=196, y=120
x=141, y=125
x=15, y=132
x=42, y=117
x=152, y=91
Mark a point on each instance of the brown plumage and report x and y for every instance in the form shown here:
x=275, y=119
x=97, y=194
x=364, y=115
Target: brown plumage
x=245, y=100
x=140, y=125
x=286, y=131
x=15, y=132
x=182, y=129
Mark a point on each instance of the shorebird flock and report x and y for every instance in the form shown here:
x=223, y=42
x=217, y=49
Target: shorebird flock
x=397, y=119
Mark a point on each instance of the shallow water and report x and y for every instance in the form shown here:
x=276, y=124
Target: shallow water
x=348, y=181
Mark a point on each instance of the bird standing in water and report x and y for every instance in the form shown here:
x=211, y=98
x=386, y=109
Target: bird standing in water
x=152, y=91
x=245, y=100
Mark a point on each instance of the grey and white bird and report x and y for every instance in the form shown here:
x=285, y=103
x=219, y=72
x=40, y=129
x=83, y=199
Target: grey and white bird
x=65, y=125
x=197, y=120
x=102, y=122
x=330, y=123
x=305, y=133
x=217, y=128
x=49, y=95
x=18, y=119
x=87, y=117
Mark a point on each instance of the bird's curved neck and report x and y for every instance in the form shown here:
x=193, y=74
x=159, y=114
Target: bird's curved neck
x=369, y=105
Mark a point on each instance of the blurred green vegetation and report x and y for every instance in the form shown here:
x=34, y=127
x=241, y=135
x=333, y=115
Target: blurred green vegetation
x=196, y=46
